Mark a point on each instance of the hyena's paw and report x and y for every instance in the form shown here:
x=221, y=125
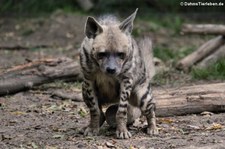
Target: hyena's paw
x=152, y=131
x=88, y=131
x=123, y=134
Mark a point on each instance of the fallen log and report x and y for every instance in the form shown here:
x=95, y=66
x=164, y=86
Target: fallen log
x=190, y=99
x=211, y=59
x=38, y=72
x=202, y=52
x=182, y=101
x=204, y=29
x=187, y=99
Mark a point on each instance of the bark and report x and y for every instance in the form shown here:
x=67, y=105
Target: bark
x=35, y=73
x=204, y=29
x=211, y=59
x=202, y=52
x=190, y=99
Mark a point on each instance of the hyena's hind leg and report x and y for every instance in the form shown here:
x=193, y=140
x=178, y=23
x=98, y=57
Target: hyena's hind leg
x=147, y=106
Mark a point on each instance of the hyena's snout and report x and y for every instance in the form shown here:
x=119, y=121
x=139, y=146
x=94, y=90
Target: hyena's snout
x=111, y=70
x=111, y=66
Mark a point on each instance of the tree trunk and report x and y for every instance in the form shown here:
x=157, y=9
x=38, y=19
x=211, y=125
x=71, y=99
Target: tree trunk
x=190, y=99
x=204, y=29
x=35, y=73
x=202, y=52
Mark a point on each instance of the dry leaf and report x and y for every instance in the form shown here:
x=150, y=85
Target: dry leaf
x=131, y=147
x=34, y=146
x=110, y=145
x=193, y=127
x=51, y=147
x=207, y=113
x=58, y=136
x=83, y=112
x=18, y=113
x=214, y=126
x=166, y=120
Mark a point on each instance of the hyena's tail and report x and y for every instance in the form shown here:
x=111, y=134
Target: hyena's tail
x=145, y=46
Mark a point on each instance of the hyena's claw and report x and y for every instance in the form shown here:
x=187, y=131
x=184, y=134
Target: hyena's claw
x=123, y=134
x=152, y=131
x=88, y=131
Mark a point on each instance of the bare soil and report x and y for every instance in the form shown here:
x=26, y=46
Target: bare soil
x=34, y=119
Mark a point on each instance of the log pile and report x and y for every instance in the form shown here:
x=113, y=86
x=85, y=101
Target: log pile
x=209, y=52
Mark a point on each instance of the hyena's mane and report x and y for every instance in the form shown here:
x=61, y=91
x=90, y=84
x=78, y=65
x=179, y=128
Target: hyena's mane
x=108, y=20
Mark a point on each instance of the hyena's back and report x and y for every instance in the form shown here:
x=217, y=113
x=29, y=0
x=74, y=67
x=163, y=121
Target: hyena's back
x=145, y=45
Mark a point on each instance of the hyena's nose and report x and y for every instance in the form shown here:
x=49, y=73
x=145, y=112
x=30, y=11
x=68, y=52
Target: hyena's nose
x=111, y=70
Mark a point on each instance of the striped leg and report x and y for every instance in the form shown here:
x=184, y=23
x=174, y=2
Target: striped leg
x=147, y=106
x=92, y=102
x=121, y=115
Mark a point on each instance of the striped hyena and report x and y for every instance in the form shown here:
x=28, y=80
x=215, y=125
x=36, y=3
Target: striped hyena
x=116, y=70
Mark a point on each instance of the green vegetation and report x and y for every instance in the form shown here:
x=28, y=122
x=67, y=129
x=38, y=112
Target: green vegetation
x=166, y=54
x=215, y=71
x=170, y=21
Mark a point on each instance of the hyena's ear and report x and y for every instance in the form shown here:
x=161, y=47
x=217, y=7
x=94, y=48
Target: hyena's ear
x=127, y=25
x=92, y=28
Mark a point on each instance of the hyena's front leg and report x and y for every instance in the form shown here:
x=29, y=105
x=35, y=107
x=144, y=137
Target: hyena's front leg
x=92, y=102
x=121, y=115
x=147, y=106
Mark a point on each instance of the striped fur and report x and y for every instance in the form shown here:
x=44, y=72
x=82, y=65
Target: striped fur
x=116, y=70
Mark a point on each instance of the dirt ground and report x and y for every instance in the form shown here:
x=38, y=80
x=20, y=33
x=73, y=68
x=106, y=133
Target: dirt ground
x=35, y=119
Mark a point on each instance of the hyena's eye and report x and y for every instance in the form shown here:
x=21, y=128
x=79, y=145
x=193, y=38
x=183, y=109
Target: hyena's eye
x=121, y=55
x=101, y=55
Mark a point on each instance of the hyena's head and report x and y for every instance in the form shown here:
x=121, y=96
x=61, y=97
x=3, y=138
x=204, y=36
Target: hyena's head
x=112, y=43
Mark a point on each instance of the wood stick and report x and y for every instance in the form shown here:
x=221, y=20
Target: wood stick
x=74, y=96
x=204, y=29
x=202, y=52
x=219, y=54
x=35, y=73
